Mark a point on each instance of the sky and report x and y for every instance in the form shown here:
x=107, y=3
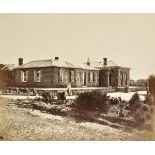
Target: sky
x=127, y=39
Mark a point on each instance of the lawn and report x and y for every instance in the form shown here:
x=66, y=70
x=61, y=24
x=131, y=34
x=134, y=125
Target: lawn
x=20, y=123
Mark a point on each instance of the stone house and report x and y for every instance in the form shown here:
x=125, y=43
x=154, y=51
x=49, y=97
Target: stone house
x=54, y=73
x=111, y=74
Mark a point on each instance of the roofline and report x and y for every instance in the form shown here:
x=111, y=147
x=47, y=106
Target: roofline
x=105, y=67
x=57, y=67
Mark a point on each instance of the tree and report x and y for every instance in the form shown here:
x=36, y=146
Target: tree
x=151, y=84
x=6, y=76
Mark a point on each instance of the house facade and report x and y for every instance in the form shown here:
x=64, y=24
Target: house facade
x=111, y=74
x=54, y=73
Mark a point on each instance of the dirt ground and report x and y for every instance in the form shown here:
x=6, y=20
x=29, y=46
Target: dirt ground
x=27, y=124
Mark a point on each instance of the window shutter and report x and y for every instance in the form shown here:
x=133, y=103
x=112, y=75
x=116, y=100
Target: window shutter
x=26, y=76
x=21, y=76
x=72, y=76
x=61, y=75
x=93, y=77
x=78, y=76
x=40, y=75
x=34, y=75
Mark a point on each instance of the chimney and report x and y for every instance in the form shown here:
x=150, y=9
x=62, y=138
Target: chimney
x=88, y=62
x=105, y=61
x=20, y=61
x=56, y=58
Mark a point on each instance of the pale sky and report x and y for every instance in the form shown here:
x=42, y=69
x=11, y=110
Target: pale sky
x=127, y=39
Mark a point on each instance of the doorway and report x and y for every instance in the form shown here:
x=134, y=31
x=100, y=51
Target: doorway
x=84, y=79
x=110, y=79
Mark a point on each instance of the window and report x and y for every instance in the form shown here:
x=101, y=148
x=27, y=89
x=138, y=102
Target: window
x=24, y=76
x=110, y=79
x=96, y=77
x=72, y=76
x=37, y=76
x=84, y=78
x=61, y=75
x=121, y=78
x=125, y=78
x=91, y=77
x=78, y=77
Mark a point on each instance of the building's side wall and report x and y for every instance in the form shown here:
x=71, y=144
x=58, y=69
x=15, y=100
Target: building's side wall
x=46, y=80
x=124, y=72
x=112, y=77
x=50, y=78
x=88, y=83
x=104, y=78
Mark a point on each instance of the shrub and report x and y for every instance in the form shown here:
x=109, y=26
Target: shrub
x=139, y=117
x=115, y=101
x=47, y=97
x=92, y=101
x=145, y=108
x=142, y=114
x=149, y=100
x=135, y=102
x=134, y=99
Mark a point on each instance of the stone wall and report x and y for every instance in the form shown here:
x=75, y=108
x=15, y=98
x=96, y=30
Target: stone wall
x=126, y=80
x=111, y=76
x=50, y=78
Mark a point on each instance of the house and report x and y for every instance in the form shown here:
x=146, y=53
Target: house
x=111, y=74
x=55, y=73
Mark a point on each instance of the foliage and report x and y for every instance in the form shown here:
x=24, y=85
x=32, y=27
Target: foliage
x=6, y=76
x=145, y=108
x=134, y=99
x=47, y=96
x=142, y=114
x=151, y=84
x=115, y=101
x=92, y=101
x=135, y=102
x=149, y=100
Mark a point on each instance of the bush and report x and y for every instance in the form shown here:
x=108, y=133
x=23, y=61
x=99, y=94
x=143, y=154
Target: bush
x=92, y=101
x=149, y=100
x=115, y=101
x=134, y=99
x=145, y=108
x=47, y=96
x=142, y=114
x=135, y=102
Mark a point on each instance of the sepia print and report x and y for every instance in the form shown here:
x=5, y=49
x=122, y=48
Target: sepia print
x=87, y=77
